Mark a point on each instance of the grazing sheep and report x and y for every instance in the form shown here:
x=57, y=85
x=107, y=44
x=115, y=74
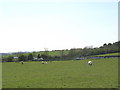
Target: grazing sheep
x=90, y=63
x=42, y=62
x=22, y=62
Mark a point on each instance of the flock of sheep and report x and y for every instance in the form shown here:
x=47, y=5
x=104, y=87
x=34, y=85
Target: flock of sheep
x=45, y=62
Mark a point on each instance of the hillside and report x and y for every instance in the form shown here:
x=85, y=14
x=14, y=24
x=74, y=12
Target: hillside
x=110, y=54
x=104, y=50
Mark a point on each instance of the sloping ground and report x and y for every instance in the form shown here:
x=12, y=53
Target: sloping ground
x=110, y=54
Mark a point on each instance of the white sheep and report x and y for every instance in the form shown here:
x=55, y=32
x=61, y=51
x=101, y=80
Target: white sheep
x=90, y=63
x=42, y=62
x=22, y=62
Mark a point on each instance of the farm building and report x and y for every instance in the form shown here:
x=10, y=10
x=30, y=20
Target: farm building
x=37, y=59
x=15, y=59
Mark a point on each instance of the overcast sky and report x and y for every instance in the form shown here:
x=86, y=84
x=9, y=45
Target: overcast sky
x=32, y=25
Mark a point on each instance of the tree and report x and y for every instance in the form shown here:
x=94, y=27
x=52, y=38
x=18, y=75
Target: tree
x=44, y=56
x=22, y=57
x=105, y=44
x=61, y=54
x=109, y=44
x=34, y=54
x=39, y=56
x=30, y=56
x=10, y=58
x=71, y=52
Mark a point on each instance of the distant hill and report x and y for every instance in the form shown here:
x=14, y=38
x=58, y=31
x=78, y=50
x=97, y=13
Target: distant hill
x=105, y=49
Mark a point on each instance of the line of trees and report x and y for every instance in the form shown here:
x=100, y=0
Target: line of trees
x=88, y=51
x=72, y=53
x=21, y=57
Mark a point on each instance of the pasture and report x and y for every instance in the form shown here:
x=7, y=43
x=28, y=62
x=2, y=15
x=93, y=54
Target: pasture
x=110, y=54
x=61, y=74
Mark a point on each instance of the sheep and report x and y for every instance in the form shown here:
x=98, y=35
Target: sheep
x=42, y=62
x=22, y=62
x=90, y=63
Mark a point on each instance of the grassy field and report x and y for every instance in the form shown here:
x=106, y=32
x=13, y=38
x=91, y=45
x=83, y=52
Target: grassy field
x=61, y=74
x=110, y=54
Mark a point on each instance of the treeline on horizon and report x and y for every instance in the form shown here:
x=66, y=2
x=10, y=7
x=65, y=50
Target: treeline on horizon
x=64, y=54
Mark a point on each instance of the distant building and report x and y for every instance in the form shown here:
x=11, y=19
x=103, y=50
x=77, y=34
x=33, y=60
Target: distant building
x=37, y=59
x=40, y=59
x=15, y=59
x=34, y=58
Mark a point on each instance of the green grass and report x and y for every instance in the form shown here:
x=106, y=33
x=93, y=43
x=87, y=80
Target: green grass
x=53, y=53
x=61, y=74
x=110, y=54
